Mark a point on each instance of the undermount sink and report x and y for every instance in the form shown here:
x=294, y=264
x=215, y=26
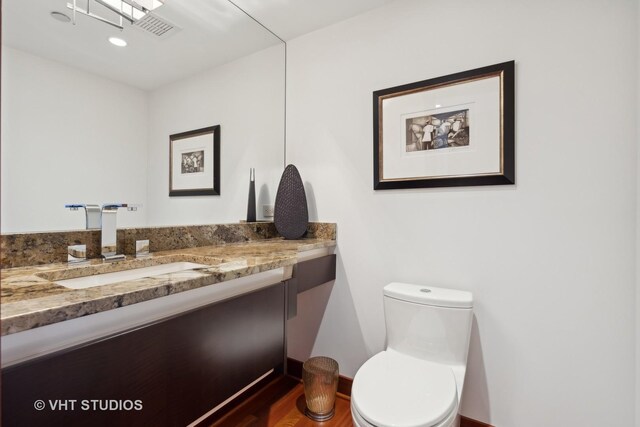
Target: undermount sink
x=126, y=275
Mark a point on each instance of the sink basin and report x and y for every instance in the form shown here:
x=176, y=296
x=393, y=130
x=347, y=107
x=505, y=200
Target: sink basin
x=132, y=274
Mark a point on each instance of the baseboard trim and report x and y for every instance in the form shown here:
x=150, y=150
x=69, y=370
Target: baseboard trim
x=294, y=368
x=469, y=422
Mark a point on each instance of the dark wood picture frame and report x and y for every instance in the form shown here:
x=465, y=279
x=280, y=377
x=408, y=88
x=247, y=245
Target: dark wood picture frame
x=506, y=72
x=214, y=189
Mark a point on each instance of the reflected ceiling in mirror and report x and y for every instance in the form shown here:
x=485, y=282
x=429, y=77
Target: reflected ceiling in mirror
x=204, y=34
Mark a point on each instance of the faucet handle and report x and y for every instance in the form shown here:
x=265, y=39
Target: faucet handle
x=114, y=206
x=76, y=254
x=142, y=248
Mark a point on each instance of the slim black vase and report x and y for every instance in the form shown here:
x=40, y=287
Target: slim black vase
x=251, y=205
x=291, y=215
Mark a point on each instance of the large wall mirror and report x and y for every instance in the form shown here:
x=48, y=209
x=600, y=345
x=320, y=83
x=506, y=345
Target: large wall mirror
x=87, y=121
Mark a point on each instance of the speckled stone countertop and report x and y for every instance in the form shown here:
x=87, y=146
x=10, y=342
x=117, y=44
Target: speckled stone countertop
x=24, y=249
x=30, y=299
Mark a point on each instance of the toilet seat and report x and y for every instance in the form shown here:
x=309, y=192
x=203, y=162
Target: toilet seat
x=392, y=389
x=450, y=421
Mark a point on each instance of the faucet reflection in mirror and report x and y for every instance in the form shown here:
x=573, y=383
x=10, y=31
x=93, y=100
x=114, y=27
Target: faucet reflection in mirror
x=105, y=219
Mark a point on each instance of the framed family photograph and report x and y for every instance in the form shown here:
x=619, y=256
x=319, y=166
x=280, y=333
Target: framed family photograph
x=455, y=130
x=194, y=162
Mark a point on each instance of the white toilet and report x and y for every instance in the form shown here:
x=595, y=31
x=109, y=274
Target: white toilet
x=417, y=381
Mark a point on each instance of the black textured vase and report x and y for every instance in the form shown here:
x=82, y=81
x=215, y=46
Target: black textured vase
x=291, y=215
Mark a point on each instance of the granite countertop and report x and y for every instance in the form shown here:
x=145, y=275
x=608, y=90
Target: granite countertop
x=30, y=299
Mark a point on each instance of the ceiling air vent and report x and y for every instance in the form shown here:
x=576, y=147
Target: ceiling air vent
x=155, y=26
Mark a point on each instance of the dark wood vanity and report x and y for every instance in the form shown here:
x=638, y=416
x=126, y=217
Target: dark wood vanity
x=179, y=368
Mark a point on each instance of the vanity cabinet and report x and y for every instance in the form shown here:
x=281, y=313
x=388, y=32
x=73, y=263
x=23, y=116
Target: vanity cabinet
x=208, y=344
x=178, y=368
x=306, y=275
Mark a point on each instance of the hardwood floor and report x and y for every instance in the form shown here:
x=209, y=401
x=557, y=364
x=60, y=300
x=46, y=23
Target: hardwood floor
x=281, y=404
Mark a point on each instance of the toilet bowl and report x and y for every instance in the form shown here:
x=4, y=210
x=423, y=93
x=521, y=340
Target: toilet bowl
x=417, y=381
x=392, y=389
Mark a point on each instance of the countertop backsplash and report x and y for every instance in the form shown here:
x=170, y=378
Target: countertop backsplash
x=25, y=249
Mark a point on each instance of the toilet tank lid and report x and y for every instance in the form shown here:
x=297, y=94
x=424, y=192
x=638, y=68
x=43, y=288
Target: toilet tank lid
x=429, y=295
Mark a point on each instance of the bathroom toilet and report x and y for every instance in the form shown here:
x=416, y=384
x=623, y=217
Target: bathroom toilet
x=417, y=380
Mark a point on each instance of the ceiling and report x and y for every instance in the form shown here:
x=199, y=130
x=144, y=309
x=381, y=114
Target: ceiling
x=292, y=18
x=210, y=33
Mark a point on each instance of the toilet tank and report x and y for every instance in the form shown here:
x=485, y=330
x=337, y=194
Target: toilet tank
x=428, y=323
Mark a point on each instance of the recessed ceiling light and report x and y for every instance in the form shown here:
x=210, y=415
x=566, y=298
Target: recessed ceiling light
x=438, y=105
x=118, y=42
x=59, y=16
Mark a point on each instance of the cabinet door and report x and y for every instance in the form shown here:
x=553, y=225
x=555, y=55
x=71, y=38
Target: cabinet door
x=178, y=368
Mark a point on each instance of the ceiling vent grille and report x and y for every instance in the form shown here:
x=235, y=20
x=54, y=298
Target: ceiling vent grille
x=155, y=26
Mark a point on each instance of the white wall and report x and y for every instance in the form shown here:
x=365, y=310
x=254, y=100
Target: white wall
x=53, y=116
x=638, y=221
x=244, y=97
x=551, y=260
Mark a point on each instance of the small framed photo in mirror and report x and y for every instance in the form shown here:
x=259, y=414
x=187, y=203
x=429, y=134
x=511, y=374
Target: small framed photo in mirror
x=194, y=162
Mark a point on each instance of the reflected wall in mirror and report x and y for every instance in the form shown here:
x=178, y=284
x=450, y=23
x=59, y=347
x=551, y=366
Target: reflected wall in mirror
x=85, y=121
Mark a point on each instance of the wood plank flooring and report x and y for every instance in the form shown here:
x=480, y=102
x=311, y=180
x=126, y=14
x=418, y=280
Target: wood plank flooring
x=281, y=404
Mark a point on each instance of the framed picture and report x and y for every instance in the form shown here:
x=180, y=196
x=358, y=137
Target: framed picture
x=456, y=130
x=194, y=162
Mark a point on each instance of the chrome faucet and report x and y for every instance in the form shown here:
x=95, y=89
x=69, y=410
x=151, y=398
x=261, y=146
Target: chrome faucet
x=105, y=219
x=109, y=232
x=92, y=213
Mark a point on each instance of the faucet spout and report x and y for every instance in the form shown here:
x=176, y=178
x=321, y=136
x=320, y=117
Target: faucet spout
x=109, y=229
x=92, y=213
x=109, y=233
